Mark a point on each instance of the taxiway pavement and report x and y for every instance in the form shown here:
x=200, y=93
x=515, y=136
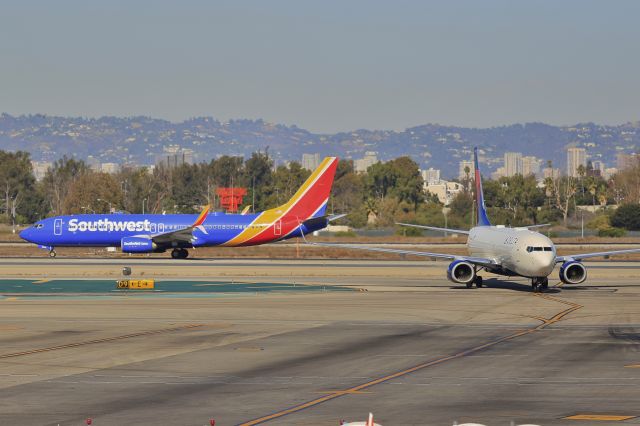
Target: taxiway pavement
x=413, y=348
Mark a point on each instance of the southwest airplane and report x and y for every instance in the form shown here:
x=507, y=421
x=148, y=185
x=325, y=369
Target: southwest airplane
x=502, y=251
x=137, y=233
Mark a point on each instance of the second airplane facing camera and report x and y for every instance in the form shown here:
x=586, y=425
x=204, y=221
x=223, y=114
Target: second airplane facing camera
x=503, y=251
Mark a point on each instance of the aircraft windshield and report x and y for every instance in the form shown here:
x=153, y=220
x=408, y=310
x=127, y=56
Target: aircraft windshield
x=530, y=249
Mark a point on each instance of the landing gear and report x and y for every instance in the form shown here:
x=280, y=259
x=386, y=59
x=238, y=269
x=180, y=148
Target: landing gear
x=179, y=253
x=52, y=253
x=539, y=284
x=478, y=281
x=545, y=284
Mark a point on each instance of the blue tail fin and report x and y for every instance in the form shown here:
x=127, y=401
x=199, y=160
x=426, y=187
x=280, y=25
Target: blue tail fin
x=483, y=220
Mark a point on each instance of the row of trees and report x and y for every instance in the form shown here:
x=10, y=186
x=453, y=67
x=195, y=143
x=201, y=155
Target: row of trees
x=387, y=193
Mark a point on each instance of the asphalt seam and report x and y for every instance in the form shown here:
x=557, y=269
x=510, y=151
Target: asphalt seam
x=355, y=389
x=96, y=341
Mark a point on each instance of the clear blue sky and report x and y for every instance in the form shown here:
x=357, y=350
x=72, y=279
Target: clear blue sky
x=325, y=65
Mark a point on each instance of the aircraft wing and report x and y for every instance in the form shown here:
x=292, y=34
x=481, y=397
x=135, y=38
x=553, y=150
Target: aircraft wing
x=475, y=260
x=570, y=257
x=184, y=235
x=434, y=228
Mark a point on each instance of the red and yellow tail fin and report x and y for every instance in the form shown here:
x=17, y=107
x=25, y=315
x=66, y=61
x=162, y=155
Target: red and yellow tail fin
x=309, y=201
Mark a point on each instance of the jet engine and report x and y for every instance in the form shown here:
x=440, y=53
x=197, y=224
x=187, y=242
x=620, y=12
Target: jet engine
x=573, y=272
x=461, y=272
x=137, y=245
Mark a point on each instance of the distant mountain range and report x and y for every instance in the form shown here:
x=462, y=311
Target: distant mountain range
x=145, y=140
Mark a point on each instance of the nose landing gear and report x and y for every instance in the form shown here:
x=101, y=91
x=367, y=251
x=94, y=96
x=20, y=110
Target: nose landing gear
x=539, y=284
x=52, y=253
x=179, y=253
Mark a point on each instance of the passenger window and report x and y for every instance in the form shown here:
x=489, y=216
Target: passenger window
x=547, y=249
x=537, y=249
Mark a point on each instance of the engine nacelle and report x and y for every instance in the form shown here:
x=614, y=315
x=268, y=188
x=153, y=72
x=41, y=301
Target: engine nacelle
x=461, y=272
x=137, y=245
x=573, y=272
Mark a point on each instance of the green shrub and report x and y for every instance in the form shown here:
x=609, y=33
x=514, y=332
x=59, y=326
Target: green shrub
x=344, y=234
x=611, y=232
x=627, y=216
x=599, y=222
x=408, y=231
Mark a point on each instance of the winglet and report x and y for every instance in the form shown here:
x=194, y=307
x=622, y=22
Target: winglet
x=370, y=421
x=483, y=219
x=202, y=217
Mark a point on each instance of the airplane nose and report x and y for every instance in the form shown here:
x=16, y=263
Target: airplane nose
x=24, y=234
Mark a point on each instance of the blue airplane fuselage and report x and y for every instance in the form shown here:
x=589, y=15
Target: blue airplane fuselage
x=108, y=230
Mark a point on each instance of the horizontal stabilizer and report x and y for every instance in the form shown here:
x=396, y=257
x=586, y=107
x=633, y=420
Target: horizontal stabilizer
x=542, y=225
x=335, y=217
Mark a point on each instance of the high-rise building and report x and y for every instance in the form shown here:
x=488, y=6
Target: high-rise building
x=498, y=173
x=530, y=166
x=431, y=176
x=310, y=161
x=175, y=156
x=370, y=158
x=512, y=163
x=598, y=168
x=550, y=172
x=110, y=168
x=576, y=157
x=445, y=191
x=461, y=169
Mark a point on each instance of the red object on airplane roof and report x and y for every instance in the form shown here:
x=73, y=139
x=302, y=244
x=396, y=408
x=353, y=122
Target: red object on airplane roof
x=231, y=198
x=212, y=422
x=89, y=421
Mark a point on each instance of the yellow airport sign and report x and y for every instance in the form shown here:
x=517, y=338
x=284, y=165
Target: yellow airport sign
x=136, y=284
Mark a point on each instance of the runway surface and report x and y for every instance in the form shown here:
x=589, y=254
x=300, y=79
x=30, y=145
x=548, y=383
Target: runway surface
x=414, y=350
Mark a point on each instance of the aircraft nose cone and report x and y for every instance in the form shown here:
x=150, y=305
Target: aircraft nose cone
x=24, y=234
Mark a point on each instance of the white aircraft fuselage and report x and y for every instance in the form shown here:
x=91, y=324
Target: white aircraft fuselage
x=519, y=251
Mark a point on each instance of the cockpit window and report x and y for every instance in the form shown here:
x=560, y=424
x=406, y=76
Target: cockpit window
x=530, y=249
x=39, y=226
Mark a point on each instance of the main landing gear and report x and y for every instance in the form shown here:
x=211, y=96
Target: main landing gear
x=179, y=253
x=477, y=280
x=539, y=284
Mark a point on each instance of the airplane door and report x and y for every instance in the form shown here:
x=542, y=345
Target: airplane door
x=277, y=230
x=57, y=227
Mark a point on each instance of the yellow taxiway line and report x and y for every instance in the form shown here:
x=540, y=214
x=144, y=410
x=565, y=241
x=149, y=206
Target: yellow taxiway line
x=358, y=388
x=600, y=417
